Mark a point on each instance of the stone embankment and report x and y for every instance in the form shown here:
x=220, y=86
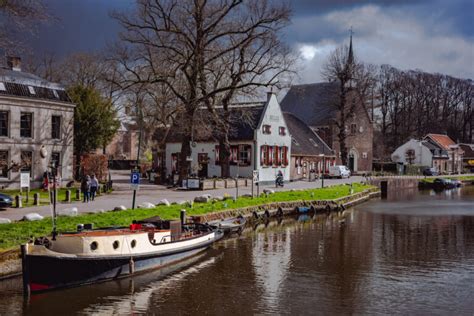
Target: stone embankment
x=288, y=208
x=10, y=263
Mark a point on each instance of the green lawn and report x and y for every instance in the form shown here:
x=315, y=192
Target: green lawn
x=44, y=195
x=12, y=235
x=461, y=178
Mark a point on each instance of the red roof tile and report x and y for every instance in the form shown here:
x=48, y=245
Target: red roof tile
x=444, y=141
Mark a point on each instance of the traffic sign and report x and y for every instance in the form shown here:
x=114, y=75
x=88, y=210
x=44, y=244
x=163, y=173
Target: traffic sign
x=135, y=180
x=255, y=176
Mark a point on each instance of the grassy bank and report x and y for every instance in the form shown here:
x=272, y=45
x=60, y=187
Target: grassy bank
x=460, y=178
x=12, y=235
x=43, y=195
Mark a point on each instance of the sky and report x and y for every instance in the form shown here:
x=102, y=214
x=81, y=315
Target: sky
x=434, y=36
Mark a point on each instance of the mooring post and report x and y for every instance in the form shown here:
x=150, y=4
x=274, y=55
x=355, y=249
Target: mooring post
x=182, y=216
x=18, y=201
x=25, y=272
x=384, y=188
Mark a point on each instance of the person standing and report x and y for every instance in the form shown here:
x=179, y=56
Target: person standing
x=86, y=188
x=94, y=186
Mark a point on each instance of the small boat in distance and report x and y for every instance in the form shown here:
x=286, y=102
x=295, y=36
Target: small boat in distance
x=93, y=255
x=233, y=225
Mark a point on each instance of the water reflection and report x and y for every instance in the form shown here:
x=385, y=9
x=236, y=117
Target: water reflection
x=412, y=253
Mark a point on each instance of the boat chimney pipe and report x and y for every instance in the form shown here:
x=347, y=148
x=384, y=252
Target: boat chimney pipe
x=182, y=216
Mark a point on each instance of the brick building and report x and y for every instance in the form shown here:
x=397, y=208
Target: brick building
x=315, y=103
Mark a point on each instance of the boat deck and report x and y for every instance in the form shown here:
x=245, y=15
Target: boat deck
x=112, y=232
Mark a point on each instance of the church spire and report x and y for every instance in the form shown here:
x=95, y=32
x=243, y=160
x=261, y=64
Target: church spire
x=350, y=56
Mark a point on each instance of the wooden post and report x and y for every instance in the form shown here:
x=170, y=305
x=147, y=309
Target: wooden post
x=25, y=272
x=78, y=194
x=36, y=199
x=68, y=196
x=18, y=201
x=384, y=188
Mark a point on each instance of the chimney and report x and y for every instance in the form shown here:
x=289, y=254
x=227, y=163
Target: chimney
x=14, y=63
x=269, y=94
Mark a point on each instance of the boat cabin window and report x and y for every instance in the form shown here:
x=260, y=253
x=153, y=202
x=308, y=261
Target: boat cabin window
x=116, y=244
x=133, y=243
x=94, y=245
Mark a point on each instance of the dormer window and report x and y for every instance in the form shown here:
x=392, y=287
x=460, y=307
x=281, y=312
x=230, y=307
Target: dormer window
x=267, y=129
x=282, y=131
x=294, y=141
x=2, y=87
x=31, y=89
x=56, y=95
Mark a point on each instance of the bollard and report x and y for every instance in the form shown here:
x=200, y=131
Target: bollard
x=78, y=194
x=105, y=188
x=384, y=189
x=36, y=199
x=98, y=190
x=68, y=196
x=182, y=216
x=18, y=201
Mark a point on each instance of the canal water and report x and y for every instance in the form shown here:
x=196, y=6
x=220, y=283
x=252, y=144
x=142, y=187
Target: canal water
x=410, y=254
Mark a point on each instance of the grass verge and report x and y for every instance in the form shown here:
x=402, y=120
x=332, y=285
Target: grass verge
x=14, y=234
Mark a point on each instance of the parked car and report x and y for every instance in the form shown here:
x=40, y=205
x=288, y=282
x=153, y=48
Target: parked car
x=339, y=171
x=5, y=200
x=430, y=172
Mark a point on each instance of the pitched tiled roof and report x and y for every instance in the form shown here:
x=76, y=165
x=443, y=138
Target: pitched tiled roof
x=313, y=103
x=468, y=150
x=244, y=120
x=443, y=141
x=22, y=84
x=305, y=142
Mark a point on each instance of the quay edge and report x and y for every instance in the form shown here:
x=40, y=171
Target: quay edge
x=10, y=261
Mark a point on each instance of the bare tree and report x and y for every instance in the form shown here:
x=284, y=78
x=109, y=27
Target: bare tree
x=16, y=20
x=196, y=49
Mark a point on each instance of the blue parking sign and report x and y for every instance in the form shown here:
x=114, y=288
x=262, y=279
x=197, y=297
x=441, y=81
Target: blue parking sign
x=135, y=178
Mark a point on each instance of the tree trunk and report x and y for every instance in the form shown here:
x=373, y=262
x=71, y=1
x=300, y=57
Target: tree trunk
x=78, y=166
x=224, y=147
x=183, y=164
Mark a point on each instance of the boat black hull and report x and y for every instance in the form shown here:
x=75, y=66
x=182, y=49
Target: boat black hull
x=44, y=273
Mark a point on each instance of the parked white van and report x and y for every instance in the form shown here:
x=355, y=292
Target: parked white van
x=339, y=172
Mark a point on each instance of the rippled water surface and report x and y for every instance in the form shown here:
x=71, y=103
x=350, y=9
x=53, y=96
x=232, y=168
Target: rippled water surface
x=410, y=254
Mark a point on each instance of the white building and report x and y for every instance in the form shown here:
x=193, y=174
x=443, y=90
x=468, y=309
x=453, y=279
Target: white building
x=36, y=117
x=413, y=152
x=260, y=141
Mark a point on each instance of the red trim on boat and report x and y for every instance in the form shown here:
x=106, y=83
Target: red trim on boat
x=38, y=287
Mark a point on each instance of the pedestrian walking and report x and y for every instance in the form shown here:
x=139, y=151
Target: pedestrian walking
x=86, y=188
x=94, y=186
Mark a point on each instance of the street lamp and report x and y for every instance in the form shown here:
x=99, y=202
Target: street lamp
x=324, y=169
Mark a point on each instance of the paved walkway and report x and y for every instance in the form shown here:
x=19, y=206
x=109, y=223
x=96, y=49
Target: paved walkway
x=122, y=195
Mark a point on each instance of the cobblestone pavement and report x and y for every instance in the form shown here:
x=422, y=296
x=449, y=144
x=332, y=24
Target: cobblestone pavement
x=122, y=195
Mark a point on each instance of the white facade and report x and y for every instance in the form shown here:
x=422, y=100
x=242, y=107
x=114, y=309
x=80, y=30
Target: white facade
x=13, y=144
x=273, y=121
x=413, y=152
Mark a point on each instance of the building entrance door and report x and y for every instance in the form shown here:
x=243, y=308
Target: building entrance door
x=203, y=161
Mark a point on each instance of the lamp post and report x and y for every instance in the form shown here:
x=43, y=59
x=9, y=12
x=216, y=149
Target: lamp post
x=324, y=169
